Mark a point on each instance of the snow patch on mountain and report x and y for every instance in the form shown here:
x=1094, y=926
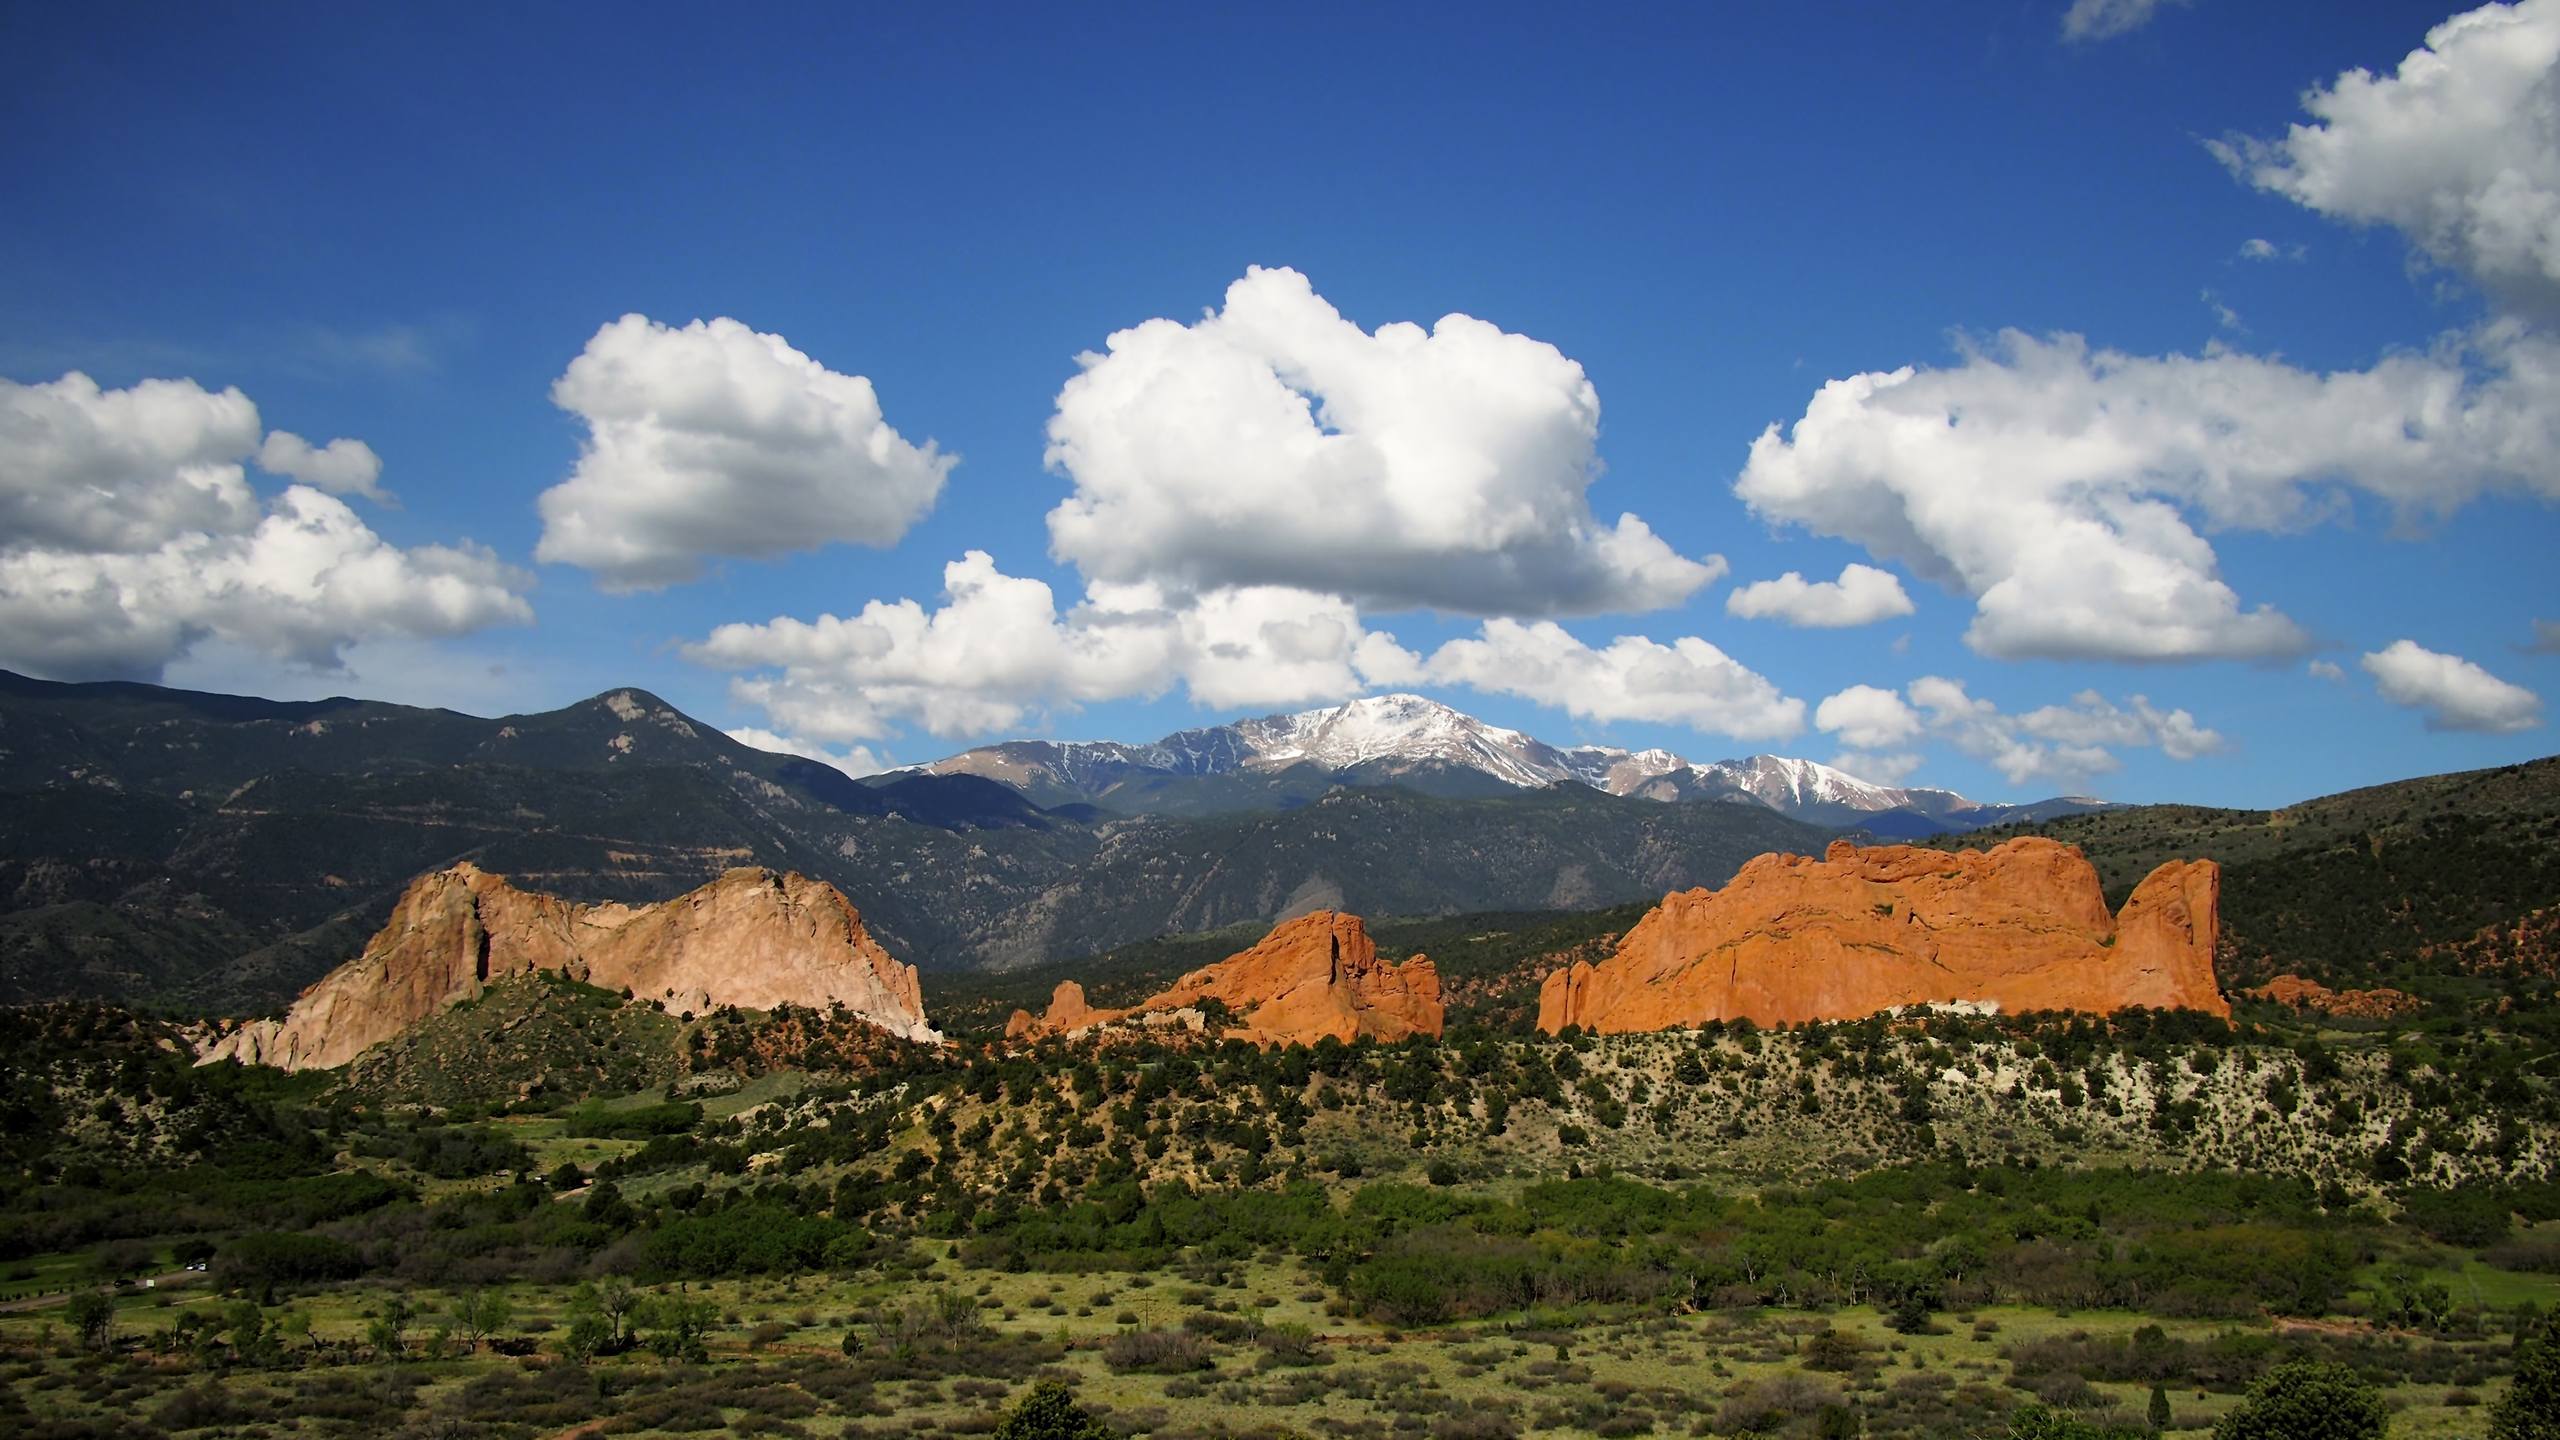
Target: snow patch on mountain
x=1388, y=734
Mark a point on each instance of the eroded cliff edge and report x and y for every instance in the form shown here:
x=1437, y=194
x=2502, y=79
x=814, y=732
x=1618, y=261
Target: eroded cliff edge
x=753, y=938
x=2020, y=927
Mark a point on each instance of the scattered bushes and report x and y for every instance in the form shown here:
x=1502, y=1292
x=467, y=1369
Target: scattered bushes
x=754, y=1238
x=1159, y=1352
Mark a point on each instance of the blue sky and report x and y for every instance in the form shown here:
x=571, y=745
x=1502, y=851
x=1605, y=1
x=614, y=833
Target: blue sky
x=406, y=228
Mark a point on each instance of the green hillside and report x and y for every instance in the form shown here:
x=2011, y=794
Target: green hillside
x=2361, y=886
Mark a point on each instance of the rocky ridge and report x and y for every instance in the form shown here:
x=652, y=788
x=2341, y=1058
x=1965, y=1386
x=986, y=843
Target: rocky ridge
x=2303, y=993
x=753, y=938
x=1311, y=977
x=1790, y=939
x=1406, y=739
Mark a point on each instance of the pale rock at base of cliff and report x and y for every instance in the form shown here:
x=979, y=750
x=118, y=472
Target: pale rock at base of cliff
x=1789, y=939
x=753, y=938
x=1311, y=977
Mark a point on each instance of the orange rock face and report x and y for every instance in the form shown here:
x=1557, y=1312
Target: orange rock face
x=2303, y=993
x=1314, y=976
x=752, y=938
x=1067, y=1011
x=2021, y=927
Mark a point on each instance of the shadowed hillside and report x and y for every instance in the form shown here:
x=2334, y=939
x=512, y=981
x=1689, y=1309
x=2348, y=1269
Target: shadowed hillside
x=2366, y=884
x=217, y=853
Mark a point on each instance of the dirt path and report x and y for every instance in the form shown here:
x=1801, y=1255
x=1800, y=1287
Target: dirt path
x=157, y=1284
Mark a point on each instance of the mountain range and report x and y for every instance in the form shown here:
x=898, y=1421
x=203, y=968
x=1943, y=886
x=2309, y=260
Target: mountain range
x=218, y=852
x=1279, y=760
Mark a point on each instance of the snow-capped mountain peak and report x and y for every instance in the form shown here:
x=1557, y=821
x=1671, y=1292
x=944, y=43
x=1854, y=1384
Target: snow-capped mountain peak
x=1396, y=728
x=1783, y=782
x=1390, y=736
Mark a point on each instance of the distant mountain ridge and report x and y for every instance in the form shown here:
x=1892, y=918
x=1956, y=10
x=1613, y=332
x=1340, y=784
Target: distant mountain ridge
x=216, y=853
x=1415, y=741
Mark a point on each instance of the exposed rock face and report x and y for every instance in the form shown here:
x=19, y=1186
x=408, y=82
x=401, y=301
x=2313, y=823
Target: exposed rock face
x=1067, y=1012
x=2021, y=927
x=752, y=938
x=2303, y=993
x=1314, y=976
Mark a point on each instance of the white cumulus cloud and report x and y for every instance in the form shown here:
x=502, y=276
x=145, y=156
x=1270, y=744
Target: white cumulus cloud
x=2056, y=743
x=855, y=760
x=1890, y=767
x=341, y=467
x=2326, y=670
x=1979, y=729
x=132, y=535
x=2062, y=487
x=996, y=649
x=2454, y=693
x=1275, y=443
x=1687, y=682
x=308, y=580
x=2091, y=719
x=1861, y=596
x=999, y=650
x=2260, y=248
x=2458, y=149
x=716, y=440
x=1865, y=717
x=2060, y=743
x=95, y=471
x=1269, y=645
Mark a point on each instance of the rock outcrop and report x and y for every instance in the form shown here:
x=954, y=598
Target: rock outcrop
x=1314, y=976
x=752, y=938
x=2304, y=993
x=2526, y=945
x=2021, y=927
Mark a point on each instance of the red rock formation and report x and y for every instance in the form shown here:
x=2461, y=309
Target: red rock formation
x=1314, y=976
x=2021, y=927
x=2304, y=993
x=752, y=938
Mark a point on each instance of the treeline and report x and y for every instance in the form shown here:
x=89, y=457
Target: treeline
x=88, y=1086
x=1914, y=1239
x=1918, y=1238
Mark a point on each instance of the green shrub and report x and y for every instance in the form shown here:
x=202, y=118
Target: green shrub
x=1050, y=1412
x=2530, y=1410
x=1158, y=1352
x=2307, y=1400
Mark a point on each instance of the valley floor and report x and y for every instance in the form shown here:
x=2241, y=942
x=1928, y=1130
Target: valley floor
x=1930, y=1228
x=774, y=1364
